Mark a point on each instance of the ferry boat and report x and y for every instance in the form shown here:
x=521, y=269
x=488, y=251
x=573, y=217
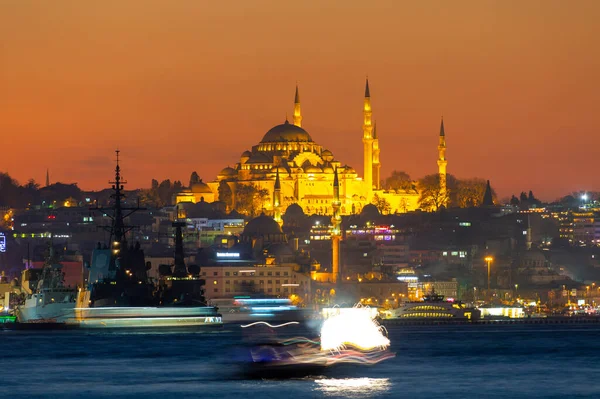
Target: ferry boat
x=242, y=309
x=433, y=306
x=120, y=294
x=49, y=301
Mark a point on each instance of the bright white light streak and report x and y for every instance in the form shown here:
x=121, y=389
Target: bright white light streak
x=356, y=328
x=267, y=324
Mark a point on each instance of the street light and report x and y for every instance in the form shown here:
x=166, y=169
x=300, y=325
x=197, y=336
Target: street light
x=489, y=261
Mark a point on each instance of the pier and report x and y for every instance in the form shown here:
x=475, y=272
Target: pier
x=524, y=320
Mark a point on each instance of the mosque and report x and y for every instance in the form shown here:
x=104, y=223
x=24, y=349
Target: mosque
x=288, y=157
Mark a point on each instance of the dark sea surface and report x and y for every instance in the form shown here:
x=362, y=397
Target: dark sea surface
x=507, y=361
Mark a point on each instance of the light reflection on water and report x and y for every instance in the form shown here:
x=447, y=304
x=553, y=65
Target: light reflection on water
x=353, y=387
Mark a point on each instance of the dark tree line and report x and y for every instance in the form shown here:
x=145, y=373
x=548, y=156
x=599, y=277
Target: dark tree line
x=160, y=194
x=15, y=195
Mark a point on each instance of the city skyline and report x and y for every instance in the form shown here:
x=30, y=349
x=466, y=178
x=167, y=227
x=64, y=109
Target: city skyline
x=515, y=84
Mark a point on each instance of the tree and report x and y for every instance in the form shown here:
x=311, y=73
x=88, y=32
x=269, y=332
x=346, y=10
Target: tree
x=382, y=204
x=194, y=178
x=9, y=192
x=250, y=199
x=431, y=196
x=149, y=198
x=164, y=191
x=514, y=201
x=523, y=196
x=60, y=192
x=225, y=194
x=398, y=181
x=470, y=192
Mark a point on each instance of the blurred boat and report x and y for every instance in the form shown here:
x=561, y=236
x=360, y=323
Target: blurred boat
x=244, y=309
x=350, y=336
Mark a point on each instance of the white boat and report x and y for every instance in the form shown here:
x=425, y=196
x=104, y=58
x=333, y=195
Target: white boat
x=48, y=300
x=433, y=307
x=47, y=306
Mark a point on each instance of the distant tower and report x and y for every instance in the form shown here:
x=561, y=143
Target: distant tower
x=336, y=233
x=277, y=199
x=47, y=177
x=368, y=142
x=442, y=162
x=487, y=196
x=297, y=110
x=376, y=164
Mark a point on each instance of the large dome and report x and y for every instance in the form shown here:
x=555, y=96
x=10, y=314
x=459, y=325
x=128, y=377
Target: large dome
x=286, y=132
x=261, y=226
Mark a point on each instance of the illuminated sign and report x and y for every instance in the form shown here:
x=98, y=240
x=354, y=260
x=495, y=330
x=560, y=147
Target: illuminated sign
x=228, y=255
x=2, y=242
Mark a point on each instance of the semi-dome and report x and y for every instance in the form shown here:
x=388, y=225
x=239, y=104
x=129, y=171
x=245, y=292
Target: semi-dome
x=228, y=172
x=328, y=169
x=286, y=132
x=313, y=169
x=327, y=156
x=246, y=154
x=280, y=168
x=200, y=188
x=262, y=226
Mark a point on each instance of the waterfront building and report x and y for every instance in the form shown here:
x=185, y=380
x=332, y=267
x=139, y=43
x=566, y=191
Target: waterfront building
x=273, y=280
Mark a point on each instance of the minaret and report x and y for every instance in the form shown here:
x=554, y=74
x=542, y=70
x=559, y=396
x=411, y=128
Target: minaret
x=277, y=199
x=376, y=164
x=297, y=110
x=47, y=177
x=336, y=232
x=368, y=142
x=488, y=200
x=442, y=162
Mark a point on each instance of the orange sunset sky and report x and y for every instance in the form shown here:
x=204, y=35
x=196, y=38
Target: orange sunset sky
x=190, y=84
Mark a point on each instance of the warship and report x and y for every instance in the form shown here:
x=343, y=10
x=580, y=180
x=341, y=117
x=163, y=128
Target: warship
x=119, y=293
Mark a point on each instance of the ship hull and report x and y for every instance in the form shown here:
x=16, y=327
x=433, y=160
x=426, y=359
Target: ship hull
x=56, y=313
x=145, y=317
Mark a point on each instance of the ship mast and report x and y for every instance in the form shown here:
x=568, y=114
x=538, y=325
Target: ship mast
x=118, y=224
x=118, y=229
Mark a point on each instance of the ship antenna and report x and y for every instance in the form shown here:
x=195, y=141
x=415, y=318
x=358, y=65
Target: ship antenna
x=119, y=227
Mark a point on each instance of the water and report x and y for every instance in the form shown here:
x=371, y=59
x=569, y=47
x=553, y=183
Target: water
x=528, y=361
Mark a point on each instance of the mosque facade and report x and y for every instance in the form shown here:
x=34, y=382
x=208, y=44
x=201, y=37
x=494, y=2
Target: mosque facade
x=304, y=171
